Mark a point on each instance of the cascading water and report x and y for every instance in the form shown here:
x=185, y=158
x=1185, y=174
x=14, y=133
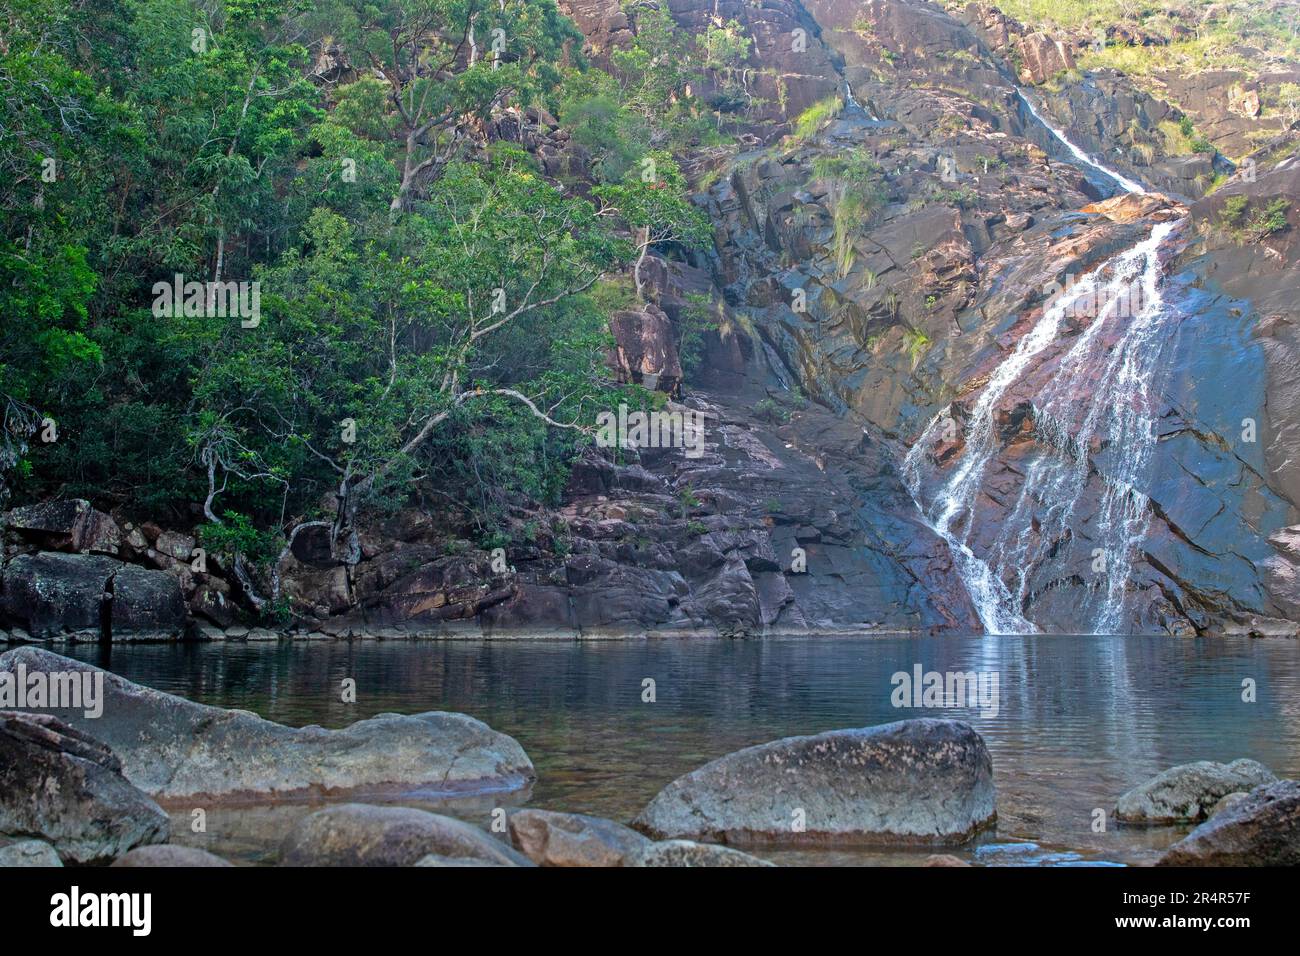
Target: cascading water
x=1128, y=185
x=1098, y=397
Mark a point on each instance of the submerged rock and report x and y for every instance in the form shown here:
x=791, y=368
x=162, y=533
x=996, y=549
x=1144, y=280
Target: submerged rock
x=170, y=855
x=172, y=748
x=358, y=834
x=687, y=853
x=58, y=784
x=549, y=838
x=1186, y=793
x=28, y=853
x=1263, y=829
x=924, y=781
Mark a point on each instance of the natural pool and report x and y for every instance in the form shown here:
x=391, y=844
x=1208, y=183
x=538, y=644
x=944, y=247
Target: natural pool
x=1080, y=719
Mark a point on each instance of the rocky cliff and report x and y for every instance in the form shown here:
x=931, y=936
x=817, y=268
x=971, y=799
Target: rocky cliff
x=873, y=269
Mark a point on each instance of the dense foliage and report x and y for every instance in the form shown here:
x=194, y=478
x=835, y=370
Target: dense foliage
x=427, y=303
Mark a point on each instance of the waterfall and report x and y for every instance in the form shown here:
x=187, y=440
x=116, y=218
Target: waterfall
x=1128, y=185
x=1096, y=398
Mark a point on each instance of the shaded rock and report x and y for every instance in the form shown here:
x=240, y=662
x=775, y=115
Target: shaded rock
x=66, y=788
x=28, y=853
x=146, y=605
x=58, y=595
x=549, y=838
x=169, y=854
x=69, y=524
x=944, y=859
x=913, y=781
x=1186, y=793
x=687, y=853
x=87, y=597
x=1261, y=830
x=171, y=747
x=358, y=834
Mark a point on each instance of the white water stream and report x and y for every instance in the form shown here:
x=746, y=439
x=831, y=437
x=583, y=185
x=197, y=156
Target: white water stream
x=1093, y=412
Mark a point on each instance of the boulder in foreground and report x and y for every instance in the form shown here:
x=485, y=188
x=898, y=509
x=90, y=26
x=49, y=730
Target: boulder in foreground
x=550, y=838
x=1263, y=829
x=60, y=786
x=359, y=834
x=169, y=854
x=925, y=781
x=1187, y=793
x=174, y=748
x=688, y=853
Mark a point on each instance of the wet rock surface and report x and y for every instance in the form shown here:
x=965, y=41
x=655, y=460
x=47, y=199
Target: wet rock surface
x=1189, y=792
x=923, y=781
x=173, y=748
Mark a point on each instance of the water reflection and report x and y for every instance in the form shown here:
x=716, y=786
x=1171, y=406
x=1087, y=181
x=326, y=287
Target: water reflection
x=1080, y=720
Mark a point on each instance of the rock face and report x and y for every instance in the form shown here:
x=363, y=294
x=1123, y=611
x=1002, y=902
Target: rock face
x=645, y=349
x=91, y=597
x=573, y=839
x=1189, y=792
x=357, y=834
x=687, y=853
x=70, y=524
x=67, y=789
x=169, y=855
x=1043, y=57
x=1263, y=829
x=173, y=748
x=920, y=781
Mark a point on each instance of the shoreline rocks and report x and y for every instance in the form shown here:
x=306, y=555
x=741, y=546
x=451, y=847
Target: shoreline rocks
x=550, y=838
x=61, y=786
x=358, y=834
x=913, y=782
x=1189, y=792
x=1261, y=829
x=173, y=748
x=166, y=855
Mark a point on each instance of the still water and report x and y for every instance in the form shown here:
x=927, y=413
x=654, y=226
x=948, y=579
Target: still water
x=1080, y=719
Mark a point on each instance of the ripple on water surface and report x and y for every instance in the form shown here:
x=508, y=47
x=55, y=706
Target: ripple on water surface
x=1080, y=719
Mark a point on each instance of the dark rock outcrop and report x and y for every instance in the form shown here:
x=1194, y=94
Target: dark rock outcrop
x=91, y=597
x=922, y=781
